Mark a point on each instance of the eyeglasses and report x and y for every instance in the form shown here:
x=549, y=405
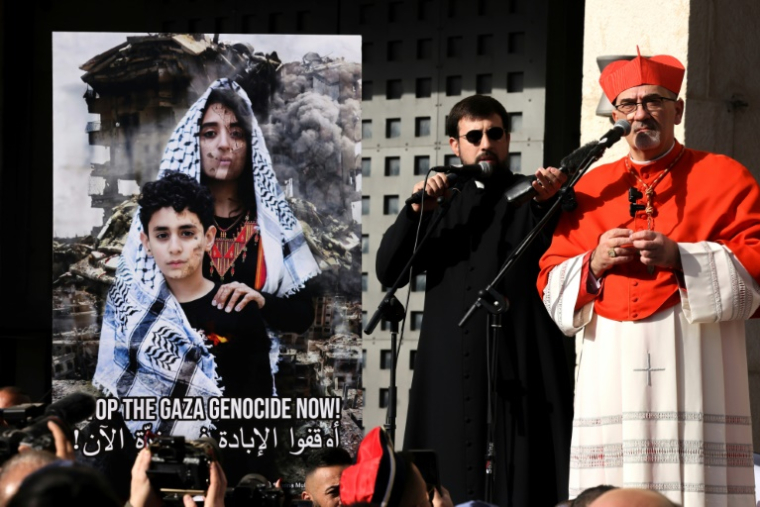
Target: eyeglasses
x=650, y=105
x=474, y=136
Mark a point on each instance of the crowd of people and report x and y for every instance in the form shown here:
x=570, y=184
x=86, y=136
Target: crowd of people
x=378, y=476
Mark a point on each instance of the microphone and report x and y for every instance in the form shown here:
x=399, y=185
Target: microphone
x=620, y=129
x=453, y=173
x=67, y=412
x=483, y=169
x=73, y=408
x=521, y=192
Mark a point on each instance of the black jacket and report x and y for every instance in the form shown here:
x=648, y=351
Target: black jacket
x=447, y=409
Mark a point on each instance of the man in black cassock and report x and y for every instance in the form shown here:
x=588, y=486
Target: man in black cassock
x=447, y=407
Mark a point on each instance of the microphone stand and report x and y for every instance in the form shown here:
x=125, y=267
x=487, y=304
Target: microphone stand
x=496, y=304
x=393, y=311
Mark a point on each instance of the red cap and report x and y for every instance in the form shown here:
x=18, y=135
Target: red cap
x=661, y=70
x=378, y=475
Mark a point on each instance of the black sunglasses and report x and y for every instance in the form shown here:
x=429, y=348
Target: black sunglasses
x=474, y=136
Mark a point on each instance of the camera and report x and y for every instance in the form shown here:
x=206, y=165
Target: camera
x=254, y=490
x=29, y=423
x=178, y=466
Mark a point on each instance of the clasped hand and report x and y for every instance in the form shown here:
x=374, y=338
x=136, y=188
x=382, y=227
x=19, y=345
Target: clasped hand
x=620, y=246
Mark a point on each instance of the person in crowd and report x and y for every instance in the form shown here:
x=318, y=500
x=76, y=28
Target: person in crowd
x=142, y=494
x=658, y=269
x=630, y=497
x=385, y=478
x=63, y=483
x=10, y=396
x=17, y=468
x=590, y=494
x=322, y=476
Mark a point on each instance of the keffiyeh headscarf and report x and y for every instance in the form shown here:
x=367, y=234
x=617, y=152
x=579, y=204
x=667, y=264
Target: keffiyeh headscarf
x=147, y=346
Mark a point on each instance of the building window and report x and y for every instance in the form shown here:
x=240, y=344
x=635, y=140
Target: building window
x=194, y=25
x=365, y=282
x=424, y=10
x=366, y=166
x=515, y=122
x=515, y=82
x=392, y=128
x=223, y=24
x=394, y=51
x=364, y=324
x=303, y=21
x=412, y=358
x=365, y=243
x=454, y=47
x=424, y=87
x=390, y=205
x=516, y=43
x=483, y=7
x=365, y=205
x=485, y=45
x=367, y=90
x=421, y=164
x=368, y=50
x=395, y=11
x=515, y=162
x=393, y=89
x=483, y=84
x=422, y=126
x=516, y=7
x=451, y=160
x=416, y=324
x=453, y=85
x=392, y=166
x=249, y=24
x=366, y=129
x=365, y=14
x=385, y=359
x=452, y=8
x=364, y=351
x=424, y=49
x=384, y=397
x=418, y=283
x=275, y=22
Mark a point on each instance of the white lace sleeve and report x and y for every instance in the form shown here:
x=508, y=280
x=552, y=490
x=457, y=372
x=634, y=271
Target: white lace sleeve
x=561, y=293
x=718, y=287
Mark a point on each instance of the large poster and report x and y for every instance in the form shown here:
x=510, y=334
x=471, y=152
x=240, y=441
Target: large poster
x=129, y=109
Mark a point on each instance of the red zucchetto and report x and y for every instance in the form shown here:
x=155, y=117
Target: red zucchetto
x=660, y=70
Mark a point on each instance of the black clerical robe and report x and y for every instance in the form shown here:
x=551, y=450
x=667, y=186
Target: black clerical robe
x=447, y=408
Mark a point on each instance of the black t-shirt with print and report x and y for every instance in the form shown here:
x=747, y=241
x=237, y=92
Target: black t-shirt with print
x=239, y=342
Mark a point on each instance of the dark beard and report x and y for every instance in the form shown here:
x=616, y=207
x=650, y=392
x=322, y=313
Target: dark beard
x=500, y=178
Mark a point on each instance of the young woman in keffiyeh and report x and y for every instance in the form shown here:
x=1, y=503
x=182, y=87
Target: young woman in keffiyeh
x=148, y=346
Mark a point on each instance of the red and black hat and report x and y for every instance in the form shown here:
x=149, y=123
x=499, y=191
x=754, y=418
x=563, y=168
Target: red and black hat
x=379, y=475
x=660, y=70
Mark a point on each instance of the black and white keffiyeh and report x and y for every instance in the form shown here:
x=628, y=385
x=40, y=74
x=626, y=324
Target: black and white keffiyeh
x=147, y=346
